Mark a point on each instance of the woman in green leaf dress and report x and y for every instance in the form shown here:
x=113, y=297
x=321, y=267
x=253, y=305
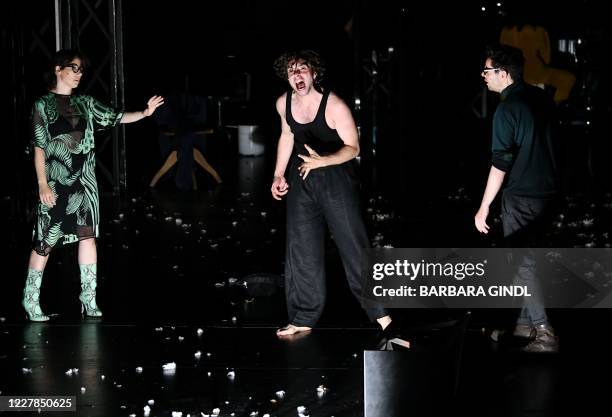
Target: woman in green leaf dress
x=64, y=159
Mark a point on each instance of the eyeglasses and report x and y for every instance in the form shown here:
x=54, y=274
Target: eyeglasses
x=487, y=69
x=75, y=68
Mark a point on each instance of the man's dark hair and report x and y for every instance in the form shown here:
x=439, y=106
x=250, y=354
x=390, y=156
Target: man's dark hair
x=62, y=58
x=507, y=58
x=312, y=59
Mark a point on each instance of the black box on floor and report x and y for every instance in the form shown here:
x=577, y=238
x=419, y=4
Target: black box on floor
x=420, y=381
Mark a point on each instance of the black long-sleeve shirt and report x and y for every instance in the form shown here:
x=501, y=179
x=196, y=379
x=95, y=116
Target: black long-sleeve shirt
x=523, y=141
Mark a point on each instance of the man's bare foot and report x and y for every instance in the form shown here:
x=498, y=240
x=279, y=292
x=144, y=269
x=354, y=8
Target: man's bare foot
x=389, y=335
x=290, y=329
x=384, y=321
x=402, y=342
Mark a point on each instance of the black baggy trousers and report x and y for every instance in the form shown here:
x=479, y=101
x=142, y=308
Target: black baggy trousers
x=329, y=196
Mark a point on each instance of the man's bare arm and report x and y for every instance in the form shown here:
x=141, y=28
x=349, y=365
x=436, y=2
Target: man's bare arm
x=283, y=153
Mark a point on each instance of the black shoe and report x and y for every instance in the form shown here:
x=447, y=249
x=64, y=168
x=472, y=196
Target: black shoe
x=524, y=331
x=390, y=338
x=545, y=341
x=521, y=331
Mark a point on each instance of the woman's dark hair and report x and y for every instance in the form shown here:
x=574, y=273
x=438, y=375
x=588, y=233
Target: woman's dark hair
x=310, y=58
x=507, y=58
x=61, y=59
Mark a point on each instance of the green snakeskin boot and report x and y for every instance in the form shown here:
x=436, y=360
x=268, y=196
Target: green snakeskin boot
x=31, y=296
x=88, y=291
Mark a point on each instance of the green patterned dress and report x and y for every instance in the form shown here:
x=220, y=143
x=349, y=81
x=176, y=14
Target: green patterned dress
x=63, y=126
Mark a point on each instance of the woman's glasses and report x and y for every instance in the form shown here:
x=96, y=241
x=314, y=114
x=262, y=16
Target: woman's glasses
x=75, y=68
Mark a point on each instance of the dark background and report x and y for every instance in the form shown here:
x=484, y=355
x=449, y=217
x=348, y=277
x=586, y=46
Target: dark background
x=166, y=257
x=425, y=141
x=425, y=126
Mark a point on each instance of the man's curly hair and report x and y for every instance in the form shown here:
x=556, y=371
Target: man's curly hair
x=312, y=59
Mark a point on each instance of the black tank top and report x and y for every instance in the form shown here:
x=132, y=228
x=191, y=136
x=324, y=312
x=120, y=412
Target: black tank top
x=316, y=134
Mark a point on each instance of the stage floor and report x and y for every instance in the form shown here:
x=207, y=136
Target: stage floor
x=172, y=263
x=245, y=369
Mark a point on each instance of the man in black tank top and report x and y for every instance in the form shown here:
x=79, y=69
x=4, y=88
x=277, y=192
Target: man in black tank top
x=315, y=169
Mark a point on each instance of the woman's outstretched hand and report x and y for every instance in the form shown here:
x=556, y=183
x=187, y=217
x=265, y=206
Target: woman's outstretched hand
x=153, y=103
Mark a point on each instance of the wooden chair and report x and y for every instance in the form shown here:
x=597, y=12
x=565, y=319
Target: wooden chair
x=172, y=159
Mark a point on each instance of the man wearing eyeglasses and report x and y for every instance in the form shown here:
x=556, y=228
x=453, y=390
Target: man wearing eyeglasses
x=524, y=155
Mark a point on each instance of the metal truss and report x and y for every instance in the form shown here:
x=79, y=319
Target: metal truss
x=95, y=27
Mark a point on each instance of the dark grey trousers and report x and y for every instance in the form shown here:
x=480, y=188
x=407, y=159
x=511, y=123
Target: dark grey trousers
x=327, y=196
x=524, y=222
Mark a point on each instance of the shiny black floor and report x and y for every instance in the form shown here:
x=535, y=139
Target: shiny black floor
x=173, y=267
x=246, y=369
